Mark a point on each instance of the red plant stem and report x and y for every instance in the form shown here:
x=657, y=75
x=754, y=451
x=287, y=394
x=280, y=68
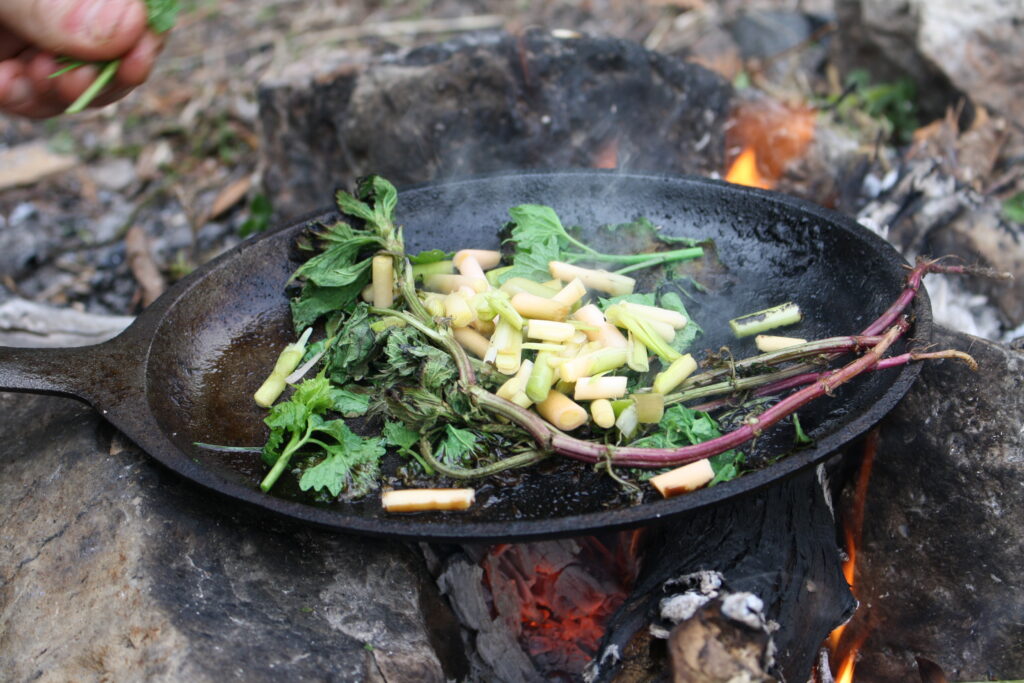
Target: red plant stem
x=922, y=268
x=808, y=377
x=672, y=457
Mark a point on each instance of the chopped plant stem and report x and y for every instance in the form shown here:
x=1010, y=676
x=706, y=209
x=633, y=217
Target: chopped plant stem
x=485, y=258
x=768, y=319
x=511, y=462
x=601, y=280
x=419, y=500
x=767, y=343
x=602, y=413
x=683, y=479
x=287, y=361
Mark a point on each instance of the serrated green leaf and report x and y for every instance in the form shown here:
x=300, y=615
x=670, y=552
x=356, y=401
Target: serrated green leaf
x=348, y=403
x=351, y=465
x=401, y=437
x=457, y=446
x=315, y=301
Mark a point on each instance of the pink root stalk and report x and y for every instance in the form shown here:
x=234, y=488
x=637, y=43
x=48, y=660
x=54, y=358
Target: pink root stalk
x=673, y=457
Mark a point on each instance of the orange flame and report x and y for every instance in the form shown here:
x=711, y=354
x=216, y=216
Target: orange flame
x=744, y=171
x=770, y=135
x=845, y=649
x=607, y=155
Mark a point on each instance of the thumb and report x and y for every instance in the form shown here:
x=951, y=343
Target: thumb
x=85, y=29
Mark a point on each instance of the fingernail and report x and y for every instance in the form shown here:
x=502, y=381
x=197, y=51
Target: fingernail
x=19, y=93
x=103, y=18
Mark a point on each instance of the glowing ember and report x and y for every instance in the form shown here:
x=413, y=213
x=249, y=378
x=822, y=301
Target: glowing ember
x=844, y=649
x=562, y=594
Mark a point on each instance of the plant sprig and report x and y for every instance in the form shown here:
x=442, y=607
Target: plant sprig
x=161, y=15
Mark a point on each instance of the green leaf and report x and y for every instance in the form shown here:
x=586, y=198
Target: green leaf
x=348, y=403
x=401, y=437
x=315, y=394
x=351, y=465
x=431, y=256
x=457, y=446
x=316, y=301
x=351, y=206
x=684, y=338
x=726, y=466
x=351, y=356
x=1013, y=208
x=532, y=263
x=272, y=448
x=535, y=223
x=162, y=14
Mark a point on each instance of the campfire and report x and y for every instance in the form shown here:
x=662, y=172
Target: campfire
x=788, y=583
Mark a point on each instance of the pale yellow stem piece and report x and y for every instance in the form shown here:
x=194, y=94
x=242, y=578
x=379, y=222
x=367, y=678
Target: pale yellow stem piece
x=562, y=411
x=675, y=374
x=417, y=500
x=458, y=309
x=514, y=285
x=366, y=293
x=674, y=318
x=684, y=479
x=602, y=412
x=532, y=306
x=766, y=343
x=470, y=267
x=591, y=388
x=599, y=330
x=549, y=330
x=486, y=258
x=472, y=341
x=383, y=272
x=601, y=280
x=571, y=293
x=445, y=283
x=517, y=383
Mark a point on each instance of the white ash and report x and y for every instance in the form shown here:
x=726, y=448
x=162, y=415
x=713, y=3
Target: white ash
x=706, y=581
x=745, y=608
x=610, y=657
x=683, y=606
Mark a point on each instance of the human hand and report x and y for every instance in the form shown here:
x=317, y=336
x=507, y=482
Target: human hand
x=34, y=32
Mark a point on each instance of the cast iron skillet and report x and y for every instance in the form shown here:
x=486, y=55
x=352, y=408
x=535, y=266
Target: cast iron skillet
x=186, y=369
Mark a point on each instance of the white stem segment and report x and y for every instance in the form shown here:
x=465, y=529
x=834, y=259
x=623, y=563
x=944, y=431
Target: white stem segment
x=767, y=343
x=590, y=388
x=601, y=280
x=418, y=500
x=602, y=412
x=768, y=319
x=383, y=279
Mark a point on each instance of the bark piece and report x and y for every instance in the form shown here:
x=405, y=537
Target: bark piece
x=943, y=534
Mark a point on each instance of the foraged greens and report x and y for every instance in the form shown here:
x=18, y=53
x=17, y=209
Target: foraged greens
x=401, y=358
x=161, y=15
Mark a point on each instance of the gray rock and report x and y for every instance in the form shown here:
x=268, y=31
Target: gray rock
x=113, y=569
x=114, y=174
x=485, y=104
x=947, y=46
x=938, y=573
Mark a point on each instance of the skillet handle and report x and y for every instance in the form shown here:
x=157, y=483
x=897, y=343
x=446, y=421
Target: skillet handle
x=95, y=374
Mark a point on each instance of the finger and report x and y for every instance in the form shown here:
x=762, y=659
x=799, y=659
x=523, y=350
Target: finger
x=86, y=29
x=15, y=85
x=68, y=87
x=137, y=64
x=10, y=44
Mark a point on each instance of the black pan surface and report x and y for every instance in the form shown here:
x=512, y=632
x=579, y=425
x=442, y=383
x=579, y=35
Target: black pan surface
x=186, y=369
